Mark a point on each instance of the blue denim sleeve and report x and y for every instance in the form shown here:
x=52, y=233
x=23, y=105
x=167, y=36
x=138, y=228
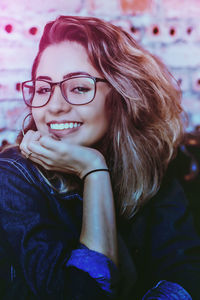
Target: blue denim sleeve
x=166, y=290
x=97, y=265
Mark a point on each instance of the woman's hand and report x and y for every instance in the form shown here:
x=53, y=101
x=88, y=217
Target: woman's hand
x=59, y=155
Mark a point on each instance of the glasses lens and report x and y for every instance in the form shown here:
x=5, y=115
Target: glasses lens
x=42, y=93
x=28, y=92
x=36, y=93
x=79, y=90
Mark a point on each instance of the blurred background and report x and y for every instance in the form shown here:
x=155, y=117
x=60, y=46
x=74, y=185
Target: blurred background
x=168, y=28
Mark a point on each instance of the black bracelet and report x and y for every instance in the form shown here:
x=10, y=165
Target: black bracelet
x=96, y=170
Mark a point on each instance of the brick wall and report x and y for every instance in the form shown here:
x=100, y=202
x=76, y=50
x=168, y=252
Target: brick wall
x=168, y=28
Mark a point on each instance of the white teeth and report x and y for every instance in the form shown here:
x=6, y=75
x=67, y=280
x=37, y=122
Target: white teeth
x=64, y=126
x=61, y=126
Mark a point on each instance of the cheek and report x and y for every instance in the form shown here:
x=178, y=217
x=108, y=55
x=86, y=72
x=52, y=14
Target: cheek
x=37, y=113
x=97, y=114
x=101, y=120
x=37, y=117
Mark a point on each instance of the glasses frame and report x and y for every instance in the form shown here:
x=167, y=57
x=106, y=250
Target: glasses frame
x=52, y=84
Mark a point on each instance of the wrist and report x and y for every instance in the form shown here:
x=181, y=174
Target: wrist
x=95, y=161
x=94, y=171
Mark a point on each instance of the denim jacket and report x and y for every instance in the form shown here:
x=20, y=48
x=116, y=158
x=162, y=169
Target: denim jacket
x=41, y=257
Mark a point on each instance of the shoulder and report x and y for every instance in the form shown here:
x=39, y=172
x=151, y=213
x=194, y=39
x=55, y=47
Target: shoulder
x=164, y=217
x=170, y=193
x=14, y=164
x=13, y=154
x=169, y=210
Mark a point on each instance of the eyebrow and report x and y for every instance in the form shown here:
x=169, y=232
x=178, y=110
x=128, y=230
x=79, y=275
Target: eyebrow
x=65, y=76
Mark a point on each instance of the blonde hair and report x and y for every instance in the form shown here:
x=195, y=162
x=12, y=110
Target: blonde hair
x=144, y=106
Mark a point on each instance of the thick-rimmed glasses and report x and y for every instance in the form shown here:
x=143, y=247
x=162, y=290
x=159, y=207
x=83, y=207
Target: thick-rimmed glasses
x=78, y=90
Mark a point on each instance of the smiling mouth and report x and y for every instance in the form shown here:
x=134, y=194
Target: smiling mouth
x=62, y=126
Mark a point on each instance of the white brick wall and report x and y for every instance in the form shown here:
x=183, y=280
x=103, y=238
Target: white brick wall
x=168, y=28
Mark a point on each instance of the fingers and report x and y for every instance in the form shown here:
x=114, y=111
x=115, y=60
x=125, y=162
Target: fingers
x=56, y=145
x=49, y=142
x=40, y=149
x=42, y=162
x=30, y=136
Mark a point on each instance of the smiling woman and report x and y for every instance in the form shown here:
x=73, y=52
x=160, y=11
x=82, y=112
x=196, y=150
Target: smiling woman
x=88, y=206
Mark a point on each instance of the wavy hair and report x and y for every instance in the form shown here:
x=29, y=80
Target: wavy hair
x=144, y=104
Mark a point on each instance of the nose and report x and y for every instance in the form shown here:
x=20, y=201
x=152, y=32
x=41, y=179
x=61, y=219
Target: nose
x=57, y=103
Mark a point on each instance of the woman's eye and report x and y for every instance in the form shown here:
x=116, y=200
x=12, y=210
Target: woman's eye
x=41, y=91
x=80, y=90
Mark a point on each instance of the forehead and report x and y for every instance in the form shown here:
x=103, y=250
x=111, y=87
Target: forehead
x=63, y=58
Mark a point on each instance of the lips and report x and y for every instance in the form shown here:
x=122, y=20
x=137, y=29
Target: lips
x=63, y=128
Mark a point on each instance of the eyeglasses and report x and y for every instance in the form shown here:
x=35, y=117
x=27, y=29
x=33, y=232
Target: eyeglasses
x=78, y=90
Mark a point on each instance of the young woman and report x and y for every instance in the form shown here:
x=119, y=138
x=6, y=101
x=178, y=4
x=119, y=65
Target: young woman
x=83, y=213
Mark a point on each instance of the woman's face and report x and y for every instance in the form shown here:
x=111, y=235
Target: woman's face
x=87, y=124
